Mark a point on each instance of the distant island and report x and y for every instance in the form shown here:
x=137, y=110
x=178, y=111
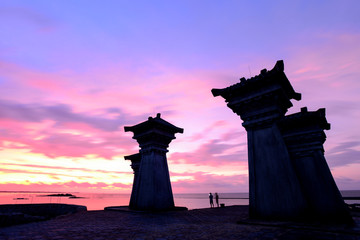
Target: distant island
x=61, y=195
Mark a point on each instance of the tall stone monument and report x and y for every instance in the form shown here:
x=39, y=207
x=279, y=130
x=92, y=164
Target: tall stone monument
x=152, y=184
x=279, y=168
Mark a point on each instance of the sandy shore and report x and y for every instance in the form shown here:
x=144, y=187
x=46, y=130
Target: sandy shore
x=217, y=223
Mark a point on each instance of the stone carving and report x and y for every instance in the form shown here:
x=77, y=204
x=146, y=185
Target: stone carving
x=285, y=153
x=152, y=187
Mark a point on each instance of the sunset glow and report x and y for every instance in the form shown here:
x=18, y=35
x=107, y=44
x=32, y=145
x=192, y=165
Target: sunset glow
x=73, y=74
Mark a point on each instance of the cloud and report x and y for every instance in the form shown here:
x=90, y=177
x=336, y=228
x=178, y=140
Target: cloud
x=98, y=185
x=62, y=113
x=208, y=182
x=343, y=154
x=29, y=16
x=112, y=84
x=203, y=134
x=30, y=172
x=327, y=74
x=57, y=130
x=42, y=168
x=215, y=152
x=342, y=108
x=345, y=183
x=70, y=186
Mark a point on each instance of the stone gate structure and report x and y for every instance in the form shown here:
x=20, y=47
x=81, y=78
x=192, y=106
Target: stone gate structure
x=288, y=174
x=152, y=187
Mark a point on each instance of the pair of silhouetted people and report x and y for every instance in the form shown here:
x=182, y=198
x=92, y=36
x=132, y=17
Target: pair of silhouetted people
x=211, y=198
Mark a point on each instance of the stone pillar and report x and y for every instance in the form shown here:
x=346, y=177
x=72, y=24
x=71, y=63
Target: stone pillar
x=154, y=188
x=304, y=136
x=135, y=165
x=274, y=189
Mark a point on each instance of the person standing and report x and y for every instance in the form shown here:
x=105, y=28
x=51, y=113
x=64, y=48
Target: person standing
x=217, y=199
x=211, y=197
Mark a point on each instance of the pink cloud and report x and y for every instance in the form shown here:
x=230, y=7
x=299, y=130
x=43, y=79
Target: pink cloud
x=68, y=134
x=215, y=152
x=136, y=91
x=328, y=72
x=30, y=168
x=67, y=187
x=211, y=182
x=204, y=131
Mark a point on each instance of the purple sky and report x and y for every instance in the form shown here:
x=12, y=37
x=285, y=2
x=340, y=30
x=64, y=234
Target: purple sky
x=73, y=73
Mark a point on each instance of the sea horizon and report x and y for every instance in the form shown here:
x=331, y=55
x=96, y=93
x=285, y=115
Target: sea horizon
x=98, y=201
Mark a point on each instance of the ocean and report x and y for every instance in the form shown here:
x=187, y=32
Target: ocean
x=98, y=201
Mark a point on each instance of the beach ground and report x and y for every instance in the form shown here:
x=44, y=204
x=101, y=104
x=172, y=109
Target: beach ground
x=216, y=223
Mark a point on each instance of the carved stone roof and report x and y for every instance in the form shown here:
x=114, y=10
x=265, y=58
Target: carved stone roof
x=154, y=123
x=134, y=157
x=264, y=79
x=304, y=119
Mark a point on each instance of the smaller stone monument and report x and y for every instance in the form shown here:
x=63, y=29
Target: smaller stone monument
x=152, y=188
x=304, y=137
x=135, y=165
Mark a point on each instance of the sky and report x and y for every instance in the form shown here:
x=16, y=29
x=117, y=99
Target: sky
x=74, y=73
